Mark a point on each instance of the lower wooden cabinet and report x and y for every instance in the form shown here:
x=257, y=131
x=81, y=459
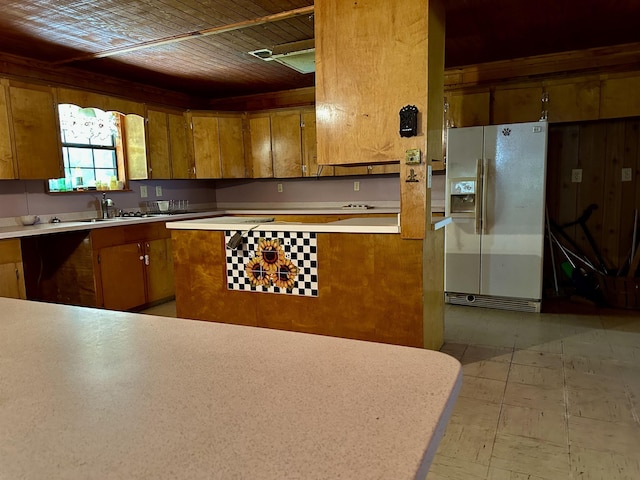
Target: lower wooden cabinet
x=133, y=265
x=11, y=270
x=119, y=268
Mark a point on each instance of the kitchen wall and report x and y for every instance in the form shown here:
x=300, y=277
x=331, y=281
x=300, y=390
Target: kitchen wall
x=21, y=197
x=379, y=190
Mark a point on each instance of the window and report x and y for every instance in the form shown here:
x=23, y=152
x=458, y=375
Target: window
x=91, y=150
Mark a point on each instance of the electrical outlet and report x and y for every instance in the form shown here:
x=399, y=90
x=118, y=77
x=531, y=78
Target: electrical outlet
x=627, y=174
x=356, y=186
x=576, y=175
x=279, y=188
x=158, y=191
x=143, y=191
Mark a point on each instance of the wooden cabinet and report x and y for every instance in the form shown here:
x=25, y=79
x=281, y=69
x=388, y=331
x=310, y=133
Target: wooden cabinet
x=11, y=269
x=310, y=167
x=514, y=105
x=218, y=145
x=369, y=64
x=468, y=109
x=7, y=169
x=620, y=97
x=167, y=148
x=133, y=265
x=232, y=159
x=166, y=144
x=286, y=144
x=135, y=147
x=36, y=135
x=258, y=141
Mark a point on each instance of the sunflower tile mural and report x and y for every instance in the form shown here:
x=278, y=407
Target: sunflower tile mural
x=274, y=262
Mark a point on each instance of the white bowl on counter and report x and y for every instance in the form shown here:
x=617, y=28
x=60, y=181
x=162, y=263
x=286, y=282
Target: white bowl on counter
x=29, y=219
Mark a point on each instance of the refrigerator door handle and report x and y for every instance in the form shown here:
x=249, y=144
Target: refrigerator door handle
x=479, y=195
x=485, y=194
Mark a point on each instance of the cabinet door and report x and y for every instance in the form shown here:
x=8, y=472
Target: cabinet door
x=158, y=144
x=259, y=140
x=371, y=44
x=340, y=171
x=181, y=161
x=123, y=279
x=37, y=138
x=135, y=147
x=159, y=261
x=310, y=167
x=231, y=146
x=11, y=270
x=206, y=147
x=7, y=170
x=516, y=105
x=468, y=109
x=286, y=144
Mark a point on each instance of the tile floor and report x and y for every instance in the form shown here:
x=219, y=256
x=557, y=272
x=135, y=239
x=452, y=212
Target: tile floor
x=545, y=396
x=548, y=396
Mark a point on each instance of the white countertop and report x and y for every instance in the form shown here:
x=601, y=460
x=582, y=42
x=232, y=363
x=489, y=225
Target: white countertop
x=369, y=224
x=90, y=393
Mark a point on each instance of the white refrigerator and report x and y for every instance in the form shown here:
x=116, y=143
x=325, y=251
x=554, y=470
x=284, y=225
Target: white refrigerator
x=495, y=194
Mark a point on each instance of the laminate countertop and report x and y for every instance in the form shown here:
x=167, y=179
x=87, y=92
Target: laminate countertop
x=89, y=393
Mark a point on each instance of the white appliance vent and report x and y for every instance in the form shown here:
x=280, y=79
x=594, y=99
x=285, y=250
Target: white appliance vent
x=486, y=301
x=300, y=56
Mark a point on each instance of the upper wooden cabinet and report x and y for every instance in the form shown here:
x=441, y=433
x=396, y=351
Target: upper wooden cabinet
x=371, y=60
x=232, y=158
x=620, y=97
x=217, y=144
x=468, y=109
x=135, y=147
x=36, y=135
x=7, y=169
x=310, y=167
x=286, y=143
x=258, y=141
x=513, y=105
x=167, y=148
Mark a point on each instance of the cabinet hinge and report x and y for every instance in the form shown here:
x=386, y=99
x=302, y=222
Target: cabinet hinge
x=98, y=259
x=17, y=274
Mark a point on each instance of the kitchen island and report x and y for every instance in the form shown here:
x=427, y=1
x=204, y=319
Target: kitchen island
x=352, y=278
x=89, y=393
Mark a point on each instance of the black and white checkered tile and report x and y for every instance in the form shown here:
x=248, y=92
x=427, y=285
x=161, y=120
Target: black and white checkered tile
x=299, y=247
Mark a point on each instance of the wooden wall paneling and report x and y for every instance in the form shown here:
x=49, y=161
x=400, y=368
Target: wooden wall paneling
x=182, y=165
x=620, y=97
x=232, y=158
x=158, y=145
x=520, y=104
x=629, y=191
x=591, y=189
x=206, y=146
x=107, y=103
x=258, y=141
x=38, y=149
x=613, y=161
x=286, y=144
x=135, y=147
x=573, y=101
x=468, y=109
x=7, y=167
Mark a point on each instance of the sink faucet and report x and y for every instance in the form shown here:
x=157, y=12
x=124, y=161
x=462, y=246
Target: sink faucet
x=105, y=204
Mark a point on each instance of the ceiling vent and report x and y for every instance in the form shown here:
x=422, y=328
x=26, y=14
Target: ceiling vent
x=301, y=56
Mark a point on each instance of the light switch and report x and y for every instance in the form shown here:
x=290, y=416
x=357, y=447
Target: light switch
x=576, y=175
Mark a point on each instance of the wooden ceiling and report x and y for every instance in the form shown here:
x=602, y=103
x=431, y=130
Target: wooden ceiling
x=125, y=38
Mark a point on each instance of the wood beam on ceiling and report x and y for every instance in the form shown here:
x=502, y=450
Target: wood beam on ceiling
x=190, y=35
